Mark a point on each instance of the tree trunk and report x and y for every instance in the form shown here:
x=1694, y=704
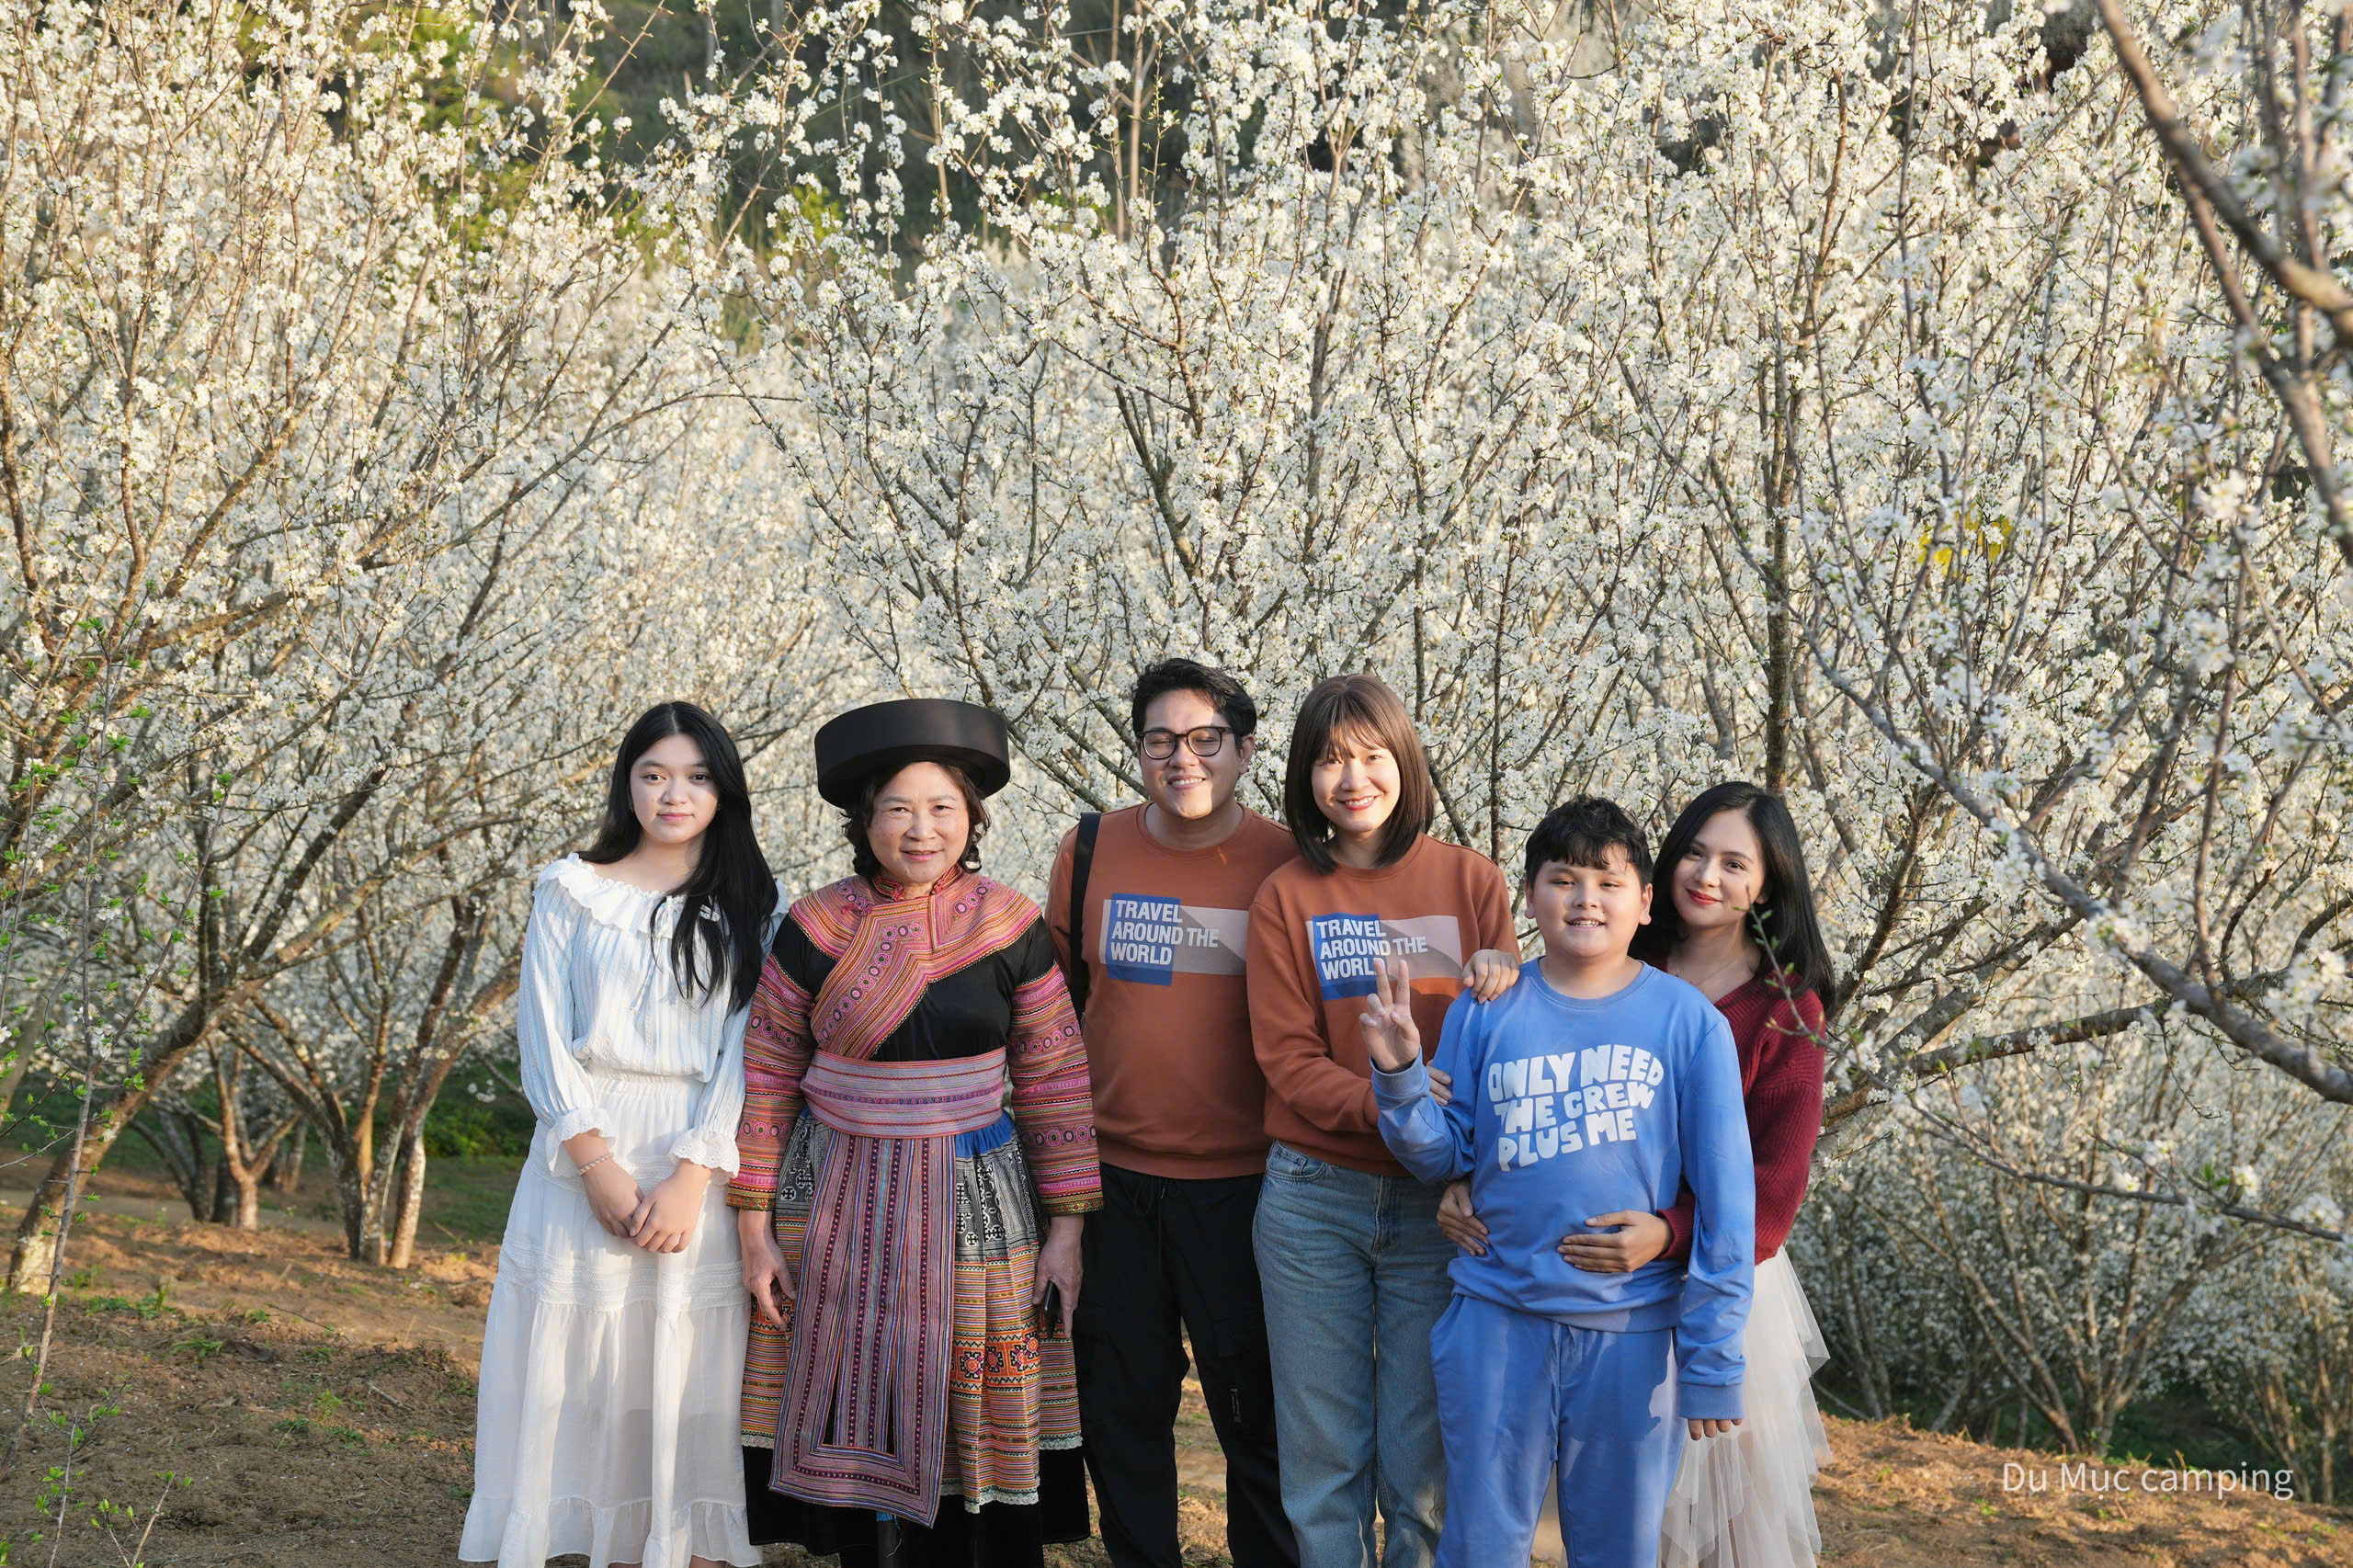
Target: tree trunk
x=208, y=1170
x=364, y=1133
x=2325, y=1413
x=244, y=1160
x=19, y=1059
x=409, y=1203
x=32, y=1255
x=359, y=1191
x=1779, y=658
x=180, y=1141
x=1779, y=646
x=286, y=1170
x=163, y=1139
x=383, y=1199
x=248, y=1212
x=35, y=1247
x=359, y=1220
x=31, y=1031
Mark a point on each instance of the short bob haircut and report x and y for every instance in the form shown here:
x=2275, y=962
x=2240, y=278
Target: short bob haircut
x=1361, y=703
x=862, y=859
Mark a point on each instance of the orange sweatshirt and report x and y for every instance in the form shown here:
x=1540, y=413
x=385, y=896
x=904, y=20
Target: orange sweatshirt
x=1313, y=938
x=1178, y=1091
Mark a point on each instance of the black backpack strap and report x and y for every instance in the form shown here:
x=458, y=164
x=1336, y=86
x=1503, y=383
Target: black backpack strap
x=1082, y=860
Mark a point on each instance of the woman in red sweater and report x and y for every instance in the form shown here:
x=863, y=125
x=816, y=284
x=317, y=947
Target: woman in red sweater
x=1739, y=924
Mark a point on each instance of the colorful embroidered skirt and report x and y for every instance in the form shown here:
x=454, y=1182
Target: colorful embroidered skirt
x=1012, y=1393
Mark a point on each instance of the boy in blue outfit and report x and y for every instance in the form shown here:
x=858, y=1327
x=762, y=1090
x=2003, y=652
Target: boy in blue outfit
x=1596, y=1084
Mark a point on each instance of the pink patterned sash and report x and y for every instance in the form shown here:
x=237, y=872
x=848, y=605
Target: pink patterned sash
x=864, y=1418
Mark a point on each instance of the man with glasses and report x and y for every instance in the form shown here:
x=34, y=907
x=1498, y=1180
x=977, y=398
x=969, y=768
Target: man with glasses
x=1150, y=908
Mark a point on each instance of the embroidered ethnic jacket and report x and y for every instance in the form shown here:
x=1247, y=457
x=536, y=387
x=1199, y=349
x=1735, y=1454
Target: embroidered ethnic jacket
x=975, y=974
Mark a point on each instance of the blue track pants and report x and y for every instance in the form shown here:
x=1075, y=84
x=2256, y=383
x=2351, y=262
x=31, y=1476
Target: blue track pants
x=1518, y=1396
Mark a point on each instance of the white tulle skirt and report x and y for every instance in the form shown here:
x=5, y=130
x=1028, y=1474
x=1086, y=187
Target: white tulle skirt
x=606, y=1410
x=1745, y=1499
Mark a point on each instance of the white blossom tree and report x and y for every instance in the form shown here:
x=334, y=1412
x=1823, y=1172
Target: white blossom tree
x=1811, y=392
x=2283, y=1375
x=677, y=569
x=2057, y=1234
x=339, y=421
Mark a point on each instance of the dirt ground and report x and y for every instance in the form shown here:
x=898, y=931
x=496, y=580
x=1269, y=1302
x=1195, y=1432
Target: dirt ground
x=283, y=1407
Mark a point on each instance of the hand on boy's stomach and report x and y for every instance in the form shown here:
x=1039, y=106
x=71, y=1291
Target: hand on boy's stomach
x=1441, y=1084
x=1458, y=1223
x=1638, y=1237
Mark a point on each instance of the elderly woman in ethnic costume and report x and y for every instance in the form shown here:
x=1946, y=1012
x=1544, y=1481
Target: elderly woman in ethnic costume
x=909, y=1243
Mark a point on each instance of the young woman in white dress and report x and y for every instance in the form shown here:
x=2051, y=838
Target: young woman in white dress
x=614, y=1351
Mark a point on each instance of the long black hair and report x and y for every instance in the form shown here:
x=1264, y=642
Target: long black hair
x=726, y=904
x=1782, y=919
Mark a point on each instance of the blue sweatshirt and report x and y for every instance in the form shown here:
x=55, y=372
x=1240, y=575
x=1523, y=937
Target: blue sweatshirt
x=1566, y=1108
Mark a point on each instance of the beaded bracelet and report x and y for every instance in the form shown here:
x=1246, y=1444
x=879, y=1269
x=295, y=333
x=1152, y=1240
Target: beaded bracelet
x=594, y=1162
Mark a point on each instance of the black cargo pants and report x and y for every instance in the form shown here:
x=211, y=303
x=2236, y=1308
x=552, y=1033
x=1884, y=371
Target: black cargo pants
x=1159, y=1254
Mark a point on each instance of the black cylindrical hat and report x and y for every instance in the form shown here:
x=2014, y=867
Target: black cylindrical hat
x=883, y=737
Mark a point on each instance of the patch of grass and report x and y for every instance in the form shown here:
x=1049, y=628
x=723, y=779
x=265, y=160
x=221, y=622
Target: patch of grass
x=2169, y=1426
x=462, y=1128
x=2182, y=1430
x=466, y=1199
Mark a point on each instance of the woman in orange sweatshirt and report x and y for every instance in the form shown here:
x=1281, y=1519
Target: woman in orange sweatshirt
x=1351, y=1257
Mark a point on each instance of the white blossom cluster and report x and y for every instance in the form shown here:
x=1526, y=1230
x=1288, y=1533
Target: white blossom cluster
x=2041, y=1243
x=1782, y=392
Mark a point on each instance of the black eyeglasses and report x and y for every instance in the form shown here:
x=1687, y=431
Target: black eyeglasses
x=1161, y=745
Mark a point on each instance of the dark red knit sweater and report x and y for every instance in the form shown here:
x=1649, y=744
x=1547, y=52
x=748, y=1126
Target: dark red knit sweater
x=1780, y=1081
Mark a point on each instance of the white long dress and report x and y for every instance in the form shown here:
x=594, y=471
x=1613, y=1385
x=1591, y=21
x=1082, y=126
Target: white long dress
x=607, y=1411
x=1744, y=1498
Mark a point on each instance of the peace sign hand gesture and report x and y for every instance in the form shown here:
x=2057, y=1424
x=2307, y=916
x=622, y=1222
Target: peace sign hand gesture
x=1390, y=1035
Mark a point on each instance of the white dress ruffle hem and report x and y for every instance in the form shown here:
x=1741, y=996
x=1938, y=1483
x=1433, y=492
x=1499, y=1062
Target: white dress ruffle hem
x=1745, y=1499
x=611, y=1375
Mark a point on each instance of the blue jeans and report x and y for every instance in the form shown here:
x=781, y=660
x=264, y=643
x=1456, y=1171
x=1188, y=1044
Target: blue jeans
x=1352, y=1269
x=1527, y=1397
